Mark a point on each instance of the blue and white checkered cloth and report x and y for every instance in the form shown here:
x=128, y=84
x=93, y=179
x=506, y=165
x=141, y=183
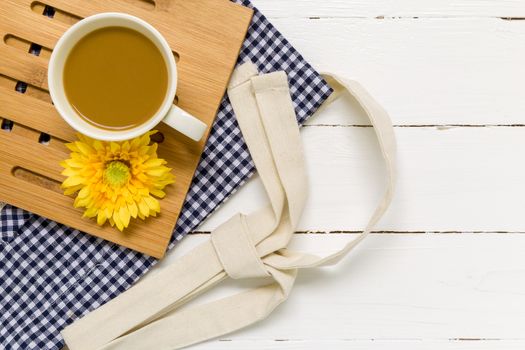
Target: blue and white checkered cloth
x=51, y=275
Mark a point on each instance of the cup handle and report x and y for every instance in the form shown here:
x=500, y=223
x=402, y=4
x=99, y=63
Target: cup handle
x=185, y=123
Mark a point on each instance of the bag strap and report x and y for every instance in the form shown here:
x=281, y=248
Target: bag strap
x=246, y=246
x=387, y=143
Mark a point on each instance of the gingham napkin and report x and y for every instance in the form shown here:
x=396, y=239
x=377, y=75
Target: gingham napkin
x=51, y=275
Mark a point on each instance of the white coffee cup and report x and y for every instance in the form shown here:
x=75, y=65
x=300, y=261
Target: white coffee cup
x=167, y=112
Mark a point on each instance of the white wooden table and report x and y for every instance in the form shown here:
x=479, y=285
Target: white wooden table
x=446, y=269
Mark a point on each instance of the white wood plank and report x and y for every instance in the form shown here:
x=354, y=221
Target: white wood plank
x=426, y=71
x=373, y=344
x=391, y=8
x=455, y=179
x=424, y=291
x=365, y=345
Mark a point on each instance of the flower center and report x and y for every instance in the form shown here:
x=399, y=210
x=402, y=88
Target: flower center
x=116, y=173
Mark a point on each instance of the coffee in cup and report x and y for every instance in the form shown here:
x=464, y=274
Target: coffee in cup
x=113, y=77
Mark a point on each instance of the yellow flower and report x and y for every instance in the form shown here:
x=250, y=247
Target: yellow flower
x=116, y=181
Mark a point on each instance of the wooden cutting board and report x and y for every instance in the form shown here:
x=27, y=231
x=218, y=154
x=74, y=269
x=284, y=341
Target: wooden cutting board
x=205, y=35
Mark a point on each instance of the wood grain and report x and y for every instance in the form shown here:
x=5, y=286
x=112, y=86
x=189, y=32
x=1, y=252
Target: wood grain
x=425, y=291
x=391, y=9
x=427, y=71
x=360, y=344
x=206, y=36
x=373, y=344
x=450, y=180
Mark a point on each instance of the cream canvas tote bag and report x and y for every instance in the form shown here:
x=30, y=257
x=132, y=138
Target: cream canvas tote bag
x=246, y=246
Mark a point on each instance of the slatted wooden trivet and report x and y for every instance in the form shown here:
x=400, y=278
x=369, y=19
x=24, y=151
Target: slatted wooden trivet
x=206, y=36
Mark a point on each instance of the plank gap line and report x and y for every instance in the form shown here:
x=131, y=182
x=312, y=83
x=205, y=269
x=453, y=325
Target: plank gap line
x=355, y=232
x=441, y=126
x=402, y=17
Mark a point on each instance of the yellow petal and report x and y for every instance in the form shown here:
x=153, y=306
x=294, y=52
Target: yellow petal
x=91, y=212
x=143, y=192
x=109, y=212
x=98, y=146
x=132, y=189
x=125, y=147
x=144, y=140
x=101, y=217
x=84, y=192
x=142, y=177
x=126, y=194
x=152, y=203
x=152, y=150
x=73, y=181
x=158, y=171
x=124, y=215
x=84, y=148
x=118, y=223
x=134, y=145
x=155, y=162
x=69, y=191
x=84, y=138
x=133, y=209
x=115, y=147
x=79, y=202
x=69, y=172
x=143, y=208
x=164, y=181
x=72, y=163
x=72, y=147
x=157, y=193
